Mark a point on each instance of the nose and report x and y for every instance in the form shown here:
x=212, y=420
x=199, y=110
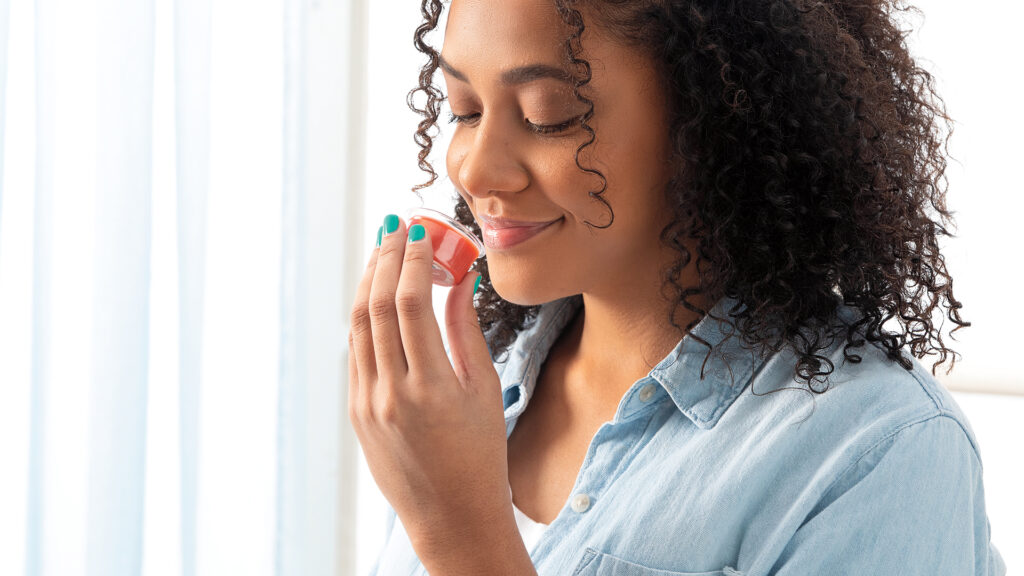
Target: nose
x=491, y=162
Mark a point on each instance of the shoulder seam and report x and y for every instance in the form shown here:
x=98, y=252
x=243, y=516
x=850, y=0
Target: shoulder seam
x=944, y=411
x=940, y=414
x=913, y=371
x=917, y=378
x=974, y=446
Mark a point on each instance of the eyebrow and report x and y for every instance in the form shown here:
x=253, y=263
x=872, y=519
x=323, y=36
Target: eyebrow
x=515, y=76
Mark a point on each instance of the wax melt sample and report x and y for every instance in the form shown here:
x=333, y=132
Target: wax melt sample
x=455, y=247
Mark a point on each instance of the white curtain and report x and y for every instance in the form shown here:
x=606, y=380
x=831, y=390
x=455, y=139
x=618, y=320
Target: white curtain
x=182, y=223
x=180, y=184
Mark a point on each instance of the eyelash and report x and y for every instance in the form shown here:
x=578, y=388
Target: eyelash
x=538, y=128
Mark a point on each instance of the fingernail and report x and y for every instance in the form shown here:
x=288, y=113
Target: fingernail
x=379, y=230
x=417, y=232
x=390, y=224
x=477, y=284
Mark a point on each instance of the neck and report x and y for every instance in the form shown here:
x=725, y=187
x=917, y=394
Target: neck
x=612, y=343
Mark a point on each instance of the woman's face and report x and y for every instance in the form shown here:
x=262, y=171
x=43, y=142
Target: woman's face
x=513, y=151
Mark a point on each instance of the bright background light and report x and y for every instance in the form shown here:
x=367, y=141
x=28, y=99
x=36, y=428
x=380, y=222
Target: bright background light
x=972, y=52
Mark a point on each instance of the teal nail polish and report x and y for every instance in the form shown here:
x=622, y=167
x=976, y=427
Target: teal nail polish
x=390, y=224
x=417, y=232
x=379, y=230
x=477, y=284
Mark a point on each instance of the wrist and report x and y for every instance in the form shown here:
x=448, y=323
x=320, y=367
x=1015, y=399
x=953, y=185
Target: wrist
x=490, y=546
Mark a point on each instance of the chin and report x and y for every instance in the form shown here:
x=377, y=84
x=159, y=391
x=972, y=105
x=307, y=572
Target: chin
x=517, y=295
x=522, y=289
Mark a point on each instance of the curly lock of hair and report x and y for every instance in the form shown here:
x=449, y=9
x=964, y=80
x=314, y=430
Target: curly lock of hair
x=809, y=170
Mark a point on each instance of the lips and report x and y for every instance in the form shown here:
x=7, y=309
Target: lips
x=504, y=235
x=500, y=222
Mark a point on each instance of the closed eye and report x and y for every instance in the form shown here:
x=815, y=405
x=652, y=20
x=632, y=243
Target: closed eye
x=553, y=128
x=534, y=127
x=455, y=118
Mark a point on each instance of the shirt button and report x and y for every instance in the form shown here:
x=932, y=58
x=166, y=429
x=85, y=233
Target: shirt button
x=646, y=392
x=580, y=503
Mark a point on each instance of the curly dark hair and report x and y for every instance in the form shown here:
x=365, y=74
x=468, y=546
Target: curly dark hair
x=808, y=170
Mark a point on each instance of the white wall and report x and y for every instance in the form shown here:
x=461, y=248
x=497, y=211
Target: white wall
x=972, y=50
x=995, y=420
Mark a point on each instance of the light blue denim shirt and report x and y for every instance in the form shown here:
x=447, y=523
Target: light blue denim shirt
x=879, y=475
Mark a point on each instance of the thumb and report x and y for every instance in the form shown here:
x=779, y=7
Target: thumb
x=470, y=356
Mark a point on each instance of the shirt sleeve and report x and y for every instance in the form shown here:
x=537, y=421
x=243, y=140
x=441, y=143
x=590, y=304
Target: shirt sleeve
x=389, y=527
x=913, y=504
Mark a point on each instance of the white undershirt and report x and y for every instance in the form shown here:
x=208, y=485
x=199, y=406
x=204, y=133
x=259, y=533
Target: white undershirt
x=528, y=529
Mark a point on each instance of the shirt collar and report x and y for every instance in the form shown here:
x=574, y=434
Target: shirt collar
x=726, y=372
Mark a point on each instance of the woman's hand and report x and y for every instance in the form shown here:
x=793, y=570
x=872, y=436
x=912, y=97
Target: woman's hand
x=432, y=431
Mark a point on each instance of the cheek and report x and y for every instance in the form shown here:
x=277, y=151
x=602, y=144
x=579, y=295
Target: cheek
x=556, y=165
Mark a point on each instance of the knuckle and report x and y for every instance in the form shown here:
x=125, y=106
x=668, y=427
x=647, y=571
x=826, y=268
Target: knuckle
x=416, y=381
x=452, y=324
x=412, y=385
x=418, y=256
x=361, y=415
x=359, y=320
x=425, y=397
x=382, y=306
x=355, y=414
x=388, y=248
x=387, y=412
x=412, y=305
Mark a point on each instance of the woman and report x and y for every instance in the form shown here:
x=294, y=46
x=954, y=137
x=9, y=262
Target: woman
x=713, y=260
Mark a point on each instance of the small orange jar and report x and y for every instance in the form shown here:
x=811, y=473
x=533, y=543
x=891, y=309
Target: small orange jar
x=455, y=246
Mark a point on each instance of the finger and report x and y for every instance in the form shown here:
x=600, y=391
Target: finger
x=361, y=327
x=354, y=396
x=387, y=338
x=421, y=336
x=471, y=357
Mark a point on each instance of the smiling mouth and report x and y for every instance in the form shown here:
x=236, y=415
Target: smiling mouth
x=503, y=238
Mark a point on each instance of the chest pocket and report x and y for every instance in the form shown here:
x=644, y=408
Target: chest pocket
x=596, y=563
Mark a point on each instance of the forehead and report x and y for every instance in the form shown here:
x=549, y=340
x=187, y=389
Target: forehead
x=485, y=32
x=486, y=38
